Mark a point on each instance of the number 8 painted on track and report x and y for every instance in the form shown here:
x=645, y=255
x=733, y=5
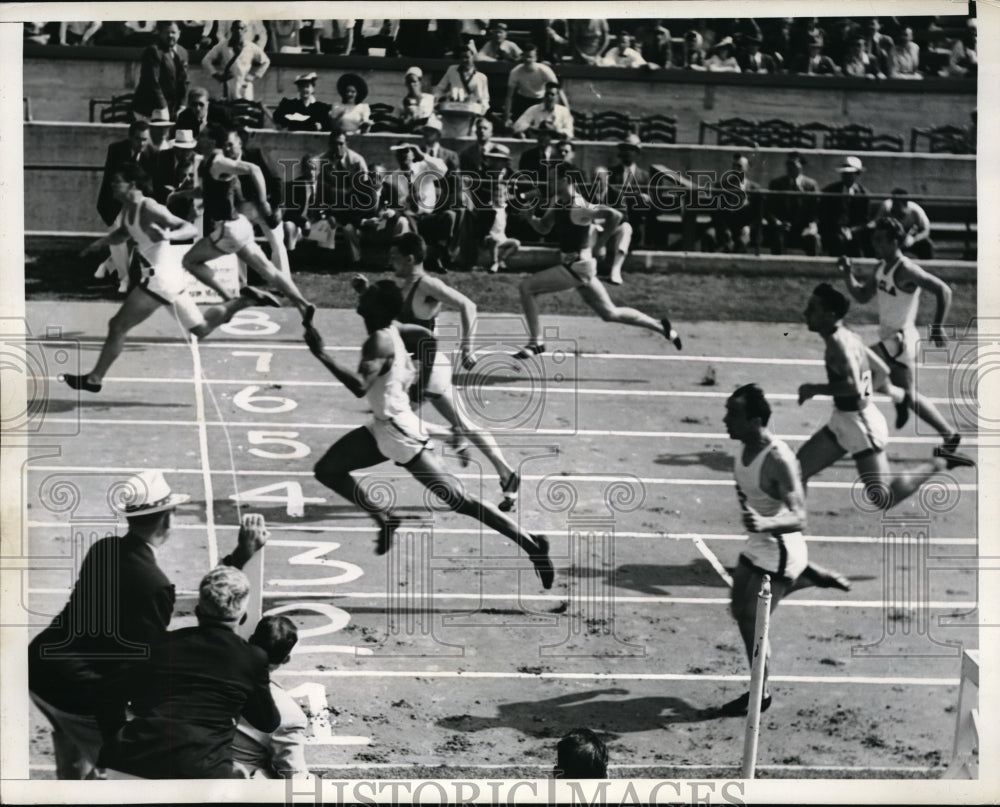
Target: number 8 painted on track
x=251, y=323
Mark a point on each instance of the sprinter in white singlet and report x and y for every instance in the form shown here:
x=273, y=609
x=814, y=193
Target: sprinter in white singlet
x=896, y=285
x=152, y=227
x=395, y=432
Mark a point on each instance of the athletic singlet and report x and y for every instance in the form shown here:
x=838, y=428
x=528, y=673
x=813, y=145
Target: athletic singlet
x=858, y=359
x=219, y=194
x=783, y=554
x=409, y=316
x=897, y=309
x=149, y=249
x=389, y=395
x=570, y=236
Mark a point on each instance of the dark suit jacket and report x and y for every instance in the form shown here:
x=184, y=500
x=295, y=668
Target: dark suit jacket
x=471, y=159
x=187, y=698
x=843, y=210
x=119, y=154
x=767, y=63
x=746, y=215
x=163, y=81
x=120, y=588
x=318, y=112
x=218, y=117
x=823, y=67
x=273, y=179
x=798, y=211
x=531, y=160
x=625, y=196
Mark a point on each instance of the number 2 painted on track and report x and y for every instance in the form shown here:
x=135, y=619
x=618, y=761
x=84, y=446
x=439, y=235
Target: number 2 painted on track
x=319, y=716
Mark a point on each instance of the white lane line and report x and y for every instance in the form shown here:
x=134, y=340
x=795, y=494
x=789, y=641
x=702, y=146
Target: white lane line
x=727, y=483
x=546, y=387
x=660, y=536
x=206, y=472
x=786, y=679
x=229, y=345
x=926, y=440
x=375, y=596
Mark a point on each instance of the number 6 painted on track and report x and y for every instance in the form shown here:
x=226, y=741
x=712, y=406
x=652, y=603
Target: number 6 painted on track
x=298, y=449
x=248, y=400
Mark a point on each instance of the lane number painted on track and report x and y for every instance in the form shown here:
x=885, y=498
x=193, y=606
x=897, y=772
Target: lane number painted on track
x=294, y=500
x=263, y=358
x=313, y=556
x=319, y=716
x=251, y=322
x=258, y=438
x=248, y=400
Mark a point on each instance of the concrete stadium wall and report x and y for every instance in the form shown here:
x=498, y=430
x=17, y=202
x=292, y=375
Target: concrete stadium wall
x=60, y=82
x=63, y=200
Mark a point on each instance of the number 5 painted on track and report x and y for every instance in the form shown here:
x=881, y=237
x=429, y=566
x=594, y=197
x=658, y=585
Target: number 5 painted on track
x=298, y=449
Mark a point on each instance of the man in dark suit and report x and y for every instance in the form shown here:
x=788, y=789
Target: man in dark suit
x=628, y=186
x=201, y=115
x=751, y=60
x=120, y=605
x=188, y=695
x=476, y=198
x=163, y=76
x=843, y=218
x=736, y=224
x=342, y=173
x=136, y=149
x=791, y=212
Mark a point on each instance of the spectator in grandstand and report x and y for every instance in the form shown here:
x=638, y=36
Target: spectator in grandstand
x=236, y=63
x=463, y=84
x=860, y=64
x=279, y=754
x=299, y=201
x=498, y=245
x=419, y=39
x=256, y=31
x=722, y=59
x=187, y=696
x=472, y=157
x=588, y=40
x=964, y=60
x=779, y=41
x=78, y=33
x=196, y=34
x=120, y=604
x=377, y=34
x=136, y=149
x=916, y=225
x=423, y=184
x=791, y=211
x=736, y=224
x=843, y=218
x=751, y=60
x=498, y=48
x=549, y=111
x=526, y=84
x=430, y=132
x=815, y=63
x=581, y=754
x=658, y=50
x=543, y=151
x=176, y=181
x=904, y=57
x=163, y=76
x=694, y=51
x=804, y=31
x=305, y=113
x=335, y=37
x=413, y=79
x=201, y=115
x=338, y=197
x=628, y=190
x=284, y=36
x=623, y=53
x=552, y=38
x=878, y=46
x=351, y=115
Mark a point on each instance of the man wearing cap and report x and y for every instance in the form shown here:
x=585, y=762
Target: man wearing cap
x=175, y=178
x=751, y=60
x=526, y=84
x=549, y=111
x=413, y=79
x=236, y=63
x=463, y=84
x=305, y=113
x=498, y=48
x=843, y=217
x=423, y=178
x=628, y=192
x=815, y=62
x=188, y=694
x=791, y=209
x=163, y=78
x=120, y=605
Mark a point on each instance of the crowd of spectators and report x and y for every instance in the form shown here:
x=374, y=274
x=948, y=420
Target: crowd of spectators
x=886, y=47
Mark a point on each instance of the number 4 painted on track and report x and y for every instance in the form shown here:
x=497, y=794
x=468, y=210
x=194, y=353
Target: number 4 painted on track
x=293, y=499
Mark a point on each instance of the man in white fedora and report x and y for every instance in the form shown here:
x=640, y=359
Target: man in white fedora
x=843, y=219
x=120, y=605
